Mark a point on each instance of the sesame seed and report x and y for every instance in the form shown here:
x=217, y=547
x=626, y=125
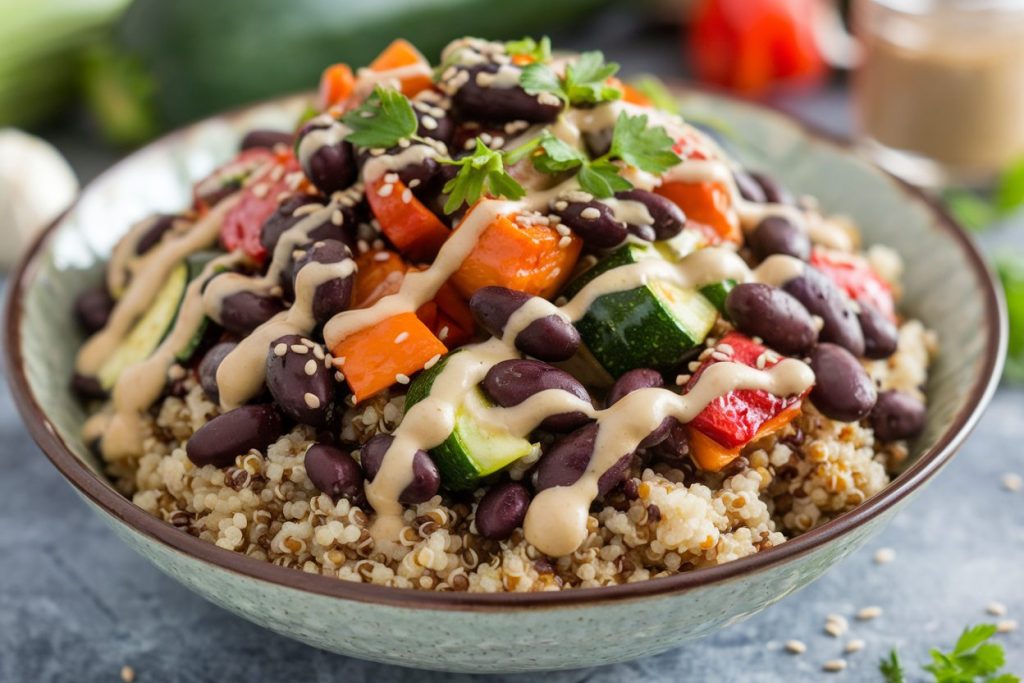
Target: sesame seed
x=429, y=122
x=319, y=352
x=797, y=647
x=337, y=217
x=339, y=376
x=867, y=613
x=563, y=230
x=1012, y=482
x=836, y=625
x=401, y=378
x=127, y=674
x=1006, y=626
x=884, y=555
x=390, y=177
x=415, y=182
x=306, y=209
x=996, y=609
x=176, y=372
x=561, y=205
x=310, y=367
x=432, y=362
x=300, y=348
x=280, y=350
x=402, y=336
x=855, y=645
x=590, y=213
x=311, y=400
x=386, y=190
x=682, y=379
x=339, y=361
x=406, y=195
x=381, y=256
x=260, y=190
x=834, y=665
x=761, y=360
x=443, y=334
x=564, y=242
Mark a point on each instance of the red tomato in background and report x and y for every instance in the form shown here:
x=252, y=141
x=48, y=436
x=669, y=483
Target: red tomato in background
x=749, y=45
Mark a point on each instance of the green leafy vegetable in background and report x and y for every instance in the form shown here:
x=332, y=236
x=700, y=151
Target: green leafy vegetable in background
x=382, y=120
x=1010, y=193
x=653, y=88
x=585, y=80
x=972, y=660
x=1011, y=273
x=482, y=170
x=537, y=50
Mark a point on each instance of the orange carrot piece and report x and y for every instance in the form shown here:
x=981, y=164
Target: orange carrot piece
x=713, y=457
x=527, y=258
x=629, y=93
x=708, y=205
x=336, y=85
x=377, y=277
x=411, y=227
x=451, y=303
x=391, y=351
x=401, y=53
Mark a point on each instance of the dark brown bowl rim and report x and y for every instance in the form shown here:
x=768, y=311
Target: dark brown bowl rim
x=102, y=494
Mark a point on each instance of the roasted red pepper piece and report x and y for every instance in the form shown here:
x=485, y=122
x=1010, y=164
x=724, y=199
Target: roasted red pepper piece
x=227, y=178
x=412, y=227
x=857, y=278
x=243, y=223
x=730, y=422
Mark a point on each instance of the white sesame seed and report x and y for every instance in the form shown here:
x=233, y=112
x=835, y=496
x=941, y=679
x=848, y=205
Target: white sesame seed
x=386, y=190
x=390, y=177
x=339, y=376
x=682, y=379
x=761, y=360
x=337, y=217
x=127, y=674
x=797, y=647
x=855, y=645
x=1012, y=482
x=310, y=367
x=996, y=609
x=381, y=256
x=300, y=348
x=834, y=629
x=406, y=195
x=319, y=352
x=311, y=401
x=563, y=230
x=260, y=190
x=564, y=242
x=280, y=350
x=429, y=122
x=561, y=205
x=432, y=362
x=443, y=334
x=590, y=213
x=867, y=613
x=884, y=555
x=1006, y=626
x=339, y=361
x=834, y=665
x=415, y=182
x=402, y=379
x=402, y=336
x=306, y=209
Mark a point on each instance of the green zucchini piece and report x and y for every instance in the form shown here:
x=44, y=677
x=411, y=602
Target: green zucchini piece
x=472, y=451
x=196, y=264
x=631, y=252
x=681, y=246
x=716, y=293
x=653, y=326
x=149, y=330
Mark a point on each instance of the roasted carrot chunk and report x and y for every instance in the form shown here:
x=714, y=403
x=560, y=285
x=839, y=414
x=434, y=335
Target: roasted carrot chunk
x=378, y=273
x=391, y=351
x=336, y=85
x=530, y=258
x=707, y=206
x=411, y=227
x=401, y=53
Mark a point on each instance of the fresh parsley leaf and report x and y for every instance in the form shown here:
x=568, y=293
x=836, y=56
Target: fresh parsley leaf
x=601, y=178
x=972, y=637
x=382, y=120
x=483, y=170
x=892, y=668
x=586, y=79
x=538, y=78
x=647, y=148
x=537, y=50
x=557, y=156
x=1011, y=273
x=972, y=659
x=654, y=89
x=1010, y=193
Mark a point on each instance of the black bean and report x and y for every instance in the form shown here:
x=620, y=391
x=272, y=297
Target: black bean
x=822, y=298
x=335, y=472
x=244, y=311
x=331, y=296
x=235, y=433
x=748, y=187
x=880, y=334
x=641, y=378
x=266, y=139
x=430, y=124
x=87, y=387
x=158, y=227
x=774, y=193
x=550, y=338
x=419, y=173
x=93, y=307
x=485, y=103
x=502, y=510
x=511, y=382
x=565, y=461
x=593, y=221
x=331, y=166
x=426, y=478
x=675, y=447
x=778, y=235
x=764, y=311
x=897, y=415
x=669, y=219
x=842, y=388
x=300, y=381
x=208, y=368
x=283, y=219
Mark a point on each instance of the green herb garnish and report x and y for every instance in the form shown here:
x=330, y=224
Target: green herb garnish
x=1011, y=273
x=482, y=170
x=385, y=118
x=585, y=80
x=654, y=89
x=972, y=660
x=537, y=50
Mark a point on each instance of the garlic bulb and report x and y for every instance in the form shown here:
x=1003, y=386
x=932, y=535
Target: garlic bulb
x=36, y=185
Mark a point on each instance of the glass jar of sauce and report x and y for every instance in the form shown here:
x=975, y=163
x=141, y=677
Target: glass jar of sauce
x=940, y=91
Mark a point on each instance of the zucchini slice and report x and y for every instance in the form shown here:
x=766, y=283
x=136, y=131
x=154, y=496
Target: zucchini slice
x=716, y=293
x=472, y=451
x=196, y=264
x=631, y=252
x=149, y=330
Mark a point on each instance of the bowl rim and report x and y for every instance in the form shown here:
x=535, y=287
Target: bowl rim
x=102, y=494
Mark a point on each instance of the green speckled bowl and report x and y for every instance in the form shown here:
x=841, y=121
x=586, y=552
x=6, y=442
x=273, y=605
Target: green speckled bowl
x=947, y=286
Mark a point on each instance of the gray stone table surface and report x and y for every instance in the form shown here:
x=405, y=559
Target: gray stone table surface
x=77, y=605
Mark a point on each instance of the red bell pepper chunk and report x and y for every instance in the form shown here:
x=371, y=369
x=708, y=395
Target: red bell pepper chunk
x=227, y=178
x=730, y=422
x=857, y=278
x=244, y=222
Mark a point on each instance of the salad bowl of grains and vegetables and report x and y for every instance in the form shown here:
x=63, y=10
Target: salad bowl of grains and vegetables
x=497, y=365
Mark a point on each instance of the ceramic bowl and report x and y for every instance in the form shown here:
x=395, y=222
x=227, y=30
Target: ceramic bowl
x=947, y=286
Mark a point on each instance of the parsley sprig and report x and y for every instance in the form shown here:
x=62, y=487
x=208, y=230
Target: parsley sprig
x=972, y=660
x=385, y=118
x=633, y=142
x=482, y=170
x=537, y=50
x=585, y=81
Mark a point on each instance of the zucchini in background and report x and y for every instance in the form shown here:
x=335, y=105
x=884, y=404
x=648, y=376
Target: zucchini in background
x=171, y=62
